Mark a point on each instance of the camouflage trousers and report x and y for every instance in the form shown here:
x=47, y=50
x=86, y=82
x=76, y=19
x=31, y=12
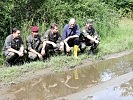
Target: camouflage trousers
x=87, y=42
x=32, y=56
x=13, y=58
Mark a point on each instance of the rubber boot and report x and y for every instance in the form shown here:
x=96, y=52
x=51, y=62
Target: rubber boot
x=76, y=48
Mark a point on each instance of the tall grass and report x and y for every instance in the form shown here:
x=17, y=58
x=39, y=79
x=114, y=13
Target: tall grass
x=121, y=40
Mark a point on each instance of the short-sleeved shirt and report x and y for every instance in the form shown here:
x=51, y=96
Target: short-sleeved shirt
x=68, y=31
x=85, y=31
x=34, y=42
x=11, y=42
x=49, y=36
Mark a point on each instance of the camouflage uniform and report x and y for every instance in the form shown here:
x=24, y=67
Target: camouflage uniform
x=84, y=41
x=34, y=43
x=14, y=43
x=56, y=38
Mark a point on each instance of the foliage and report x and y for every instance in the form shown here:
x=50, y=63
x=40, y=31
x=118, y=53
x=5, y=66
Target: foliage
x=20, y=12
x=124, y=7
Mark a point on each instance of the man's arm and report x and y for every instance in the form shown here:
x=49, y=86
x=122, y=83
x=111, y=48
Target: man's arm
x=13, y=50
x=46, y=39
x=70, y=37
x=85, y=34
x=31, y=49
x=50, y=42
x=22, y=46
x=93, y=39
x=20, y=53
x=9, y=48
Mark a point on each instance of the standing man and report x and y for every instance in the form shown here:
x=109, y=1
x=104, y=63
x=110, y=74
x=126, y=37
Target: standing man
x=89, y=37
x=52, y=39
x=13, y=47
x=35, y=45
x=70, y=36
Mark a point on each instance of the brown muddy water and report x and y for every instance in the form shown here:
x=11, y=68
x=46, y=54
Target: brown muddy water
x=95, y=81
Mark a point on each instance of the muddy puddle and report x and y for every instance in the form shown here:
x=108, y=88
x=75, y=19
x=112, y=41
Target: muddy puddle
x=64, y=85
x=124, y=91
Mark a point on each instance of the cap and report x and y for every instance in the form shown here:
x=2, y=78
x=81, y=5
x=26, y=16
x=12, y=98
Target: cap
x=34, y=29
x=89, y=21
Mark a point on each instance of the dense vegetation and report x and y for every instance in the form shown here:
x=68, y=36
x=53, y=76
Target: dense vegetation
x=25, y=13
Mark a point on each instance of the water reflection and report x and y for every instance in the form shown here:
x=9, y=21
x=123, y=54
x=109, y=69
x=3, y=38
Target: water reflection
x=55, y=85
x=122, y=92
x=123, y=67
x=115, y=67
x=64, y=83
x=127, y=88
x=107, y=75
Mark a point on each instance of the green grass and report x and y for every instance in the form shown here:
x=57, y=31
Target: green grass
x=120, y=41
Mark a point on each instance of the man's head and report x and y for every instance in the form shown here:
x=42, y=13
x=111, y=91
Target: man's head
x=54, y=28
x=34, y=31
x=72, y=22
x=16, y=32
x=89, y=23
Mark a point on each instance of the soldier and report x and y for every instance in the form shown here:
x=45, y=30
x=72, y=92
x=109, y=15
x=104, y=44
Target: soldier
x=13, y=48
x=35, y=45
x=52, y=40
x=70, y=36
x=89, y=37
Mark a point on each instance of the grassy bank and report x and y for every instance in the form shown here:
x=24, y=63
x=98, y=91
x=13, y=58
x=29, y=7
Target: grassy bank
x=120, y=41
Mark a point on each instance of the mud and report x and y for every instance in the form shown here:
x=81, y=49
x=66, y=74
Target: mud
x=88, y=78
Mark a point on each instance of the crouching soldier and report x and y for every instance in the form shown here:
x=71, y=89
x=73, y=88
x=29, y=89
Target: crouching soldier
x=52, y=40
x=89, y=37
x=35, y=45
x=14, y=48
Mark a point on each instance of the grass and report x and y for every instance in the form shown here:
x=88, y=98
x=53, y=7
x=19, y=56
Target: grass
x=120, y=41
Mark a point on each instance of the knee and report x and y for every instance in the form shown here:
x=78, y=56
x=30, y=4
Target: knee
x=32, y=56
x=82, y=46
x=76, y=41
x=10, y=55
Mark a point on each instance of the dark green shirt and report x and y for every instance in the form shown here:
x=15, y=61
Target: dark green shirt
x=34, y=42
x=11, y=42
x=85, y=31
x=49, y=36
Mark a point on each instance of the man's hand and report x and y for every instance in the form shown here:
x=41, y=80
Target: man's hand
x=20, y=53
x=43, y=52
x=54, y=45
x=96, y=41
x=40, y=56
x=61, y=46
x=66, y=39
x=68, y=48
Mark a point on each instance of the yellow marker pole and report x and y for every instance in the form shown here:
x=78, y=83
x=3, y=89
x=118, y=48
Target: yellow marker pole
x=76, y=74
